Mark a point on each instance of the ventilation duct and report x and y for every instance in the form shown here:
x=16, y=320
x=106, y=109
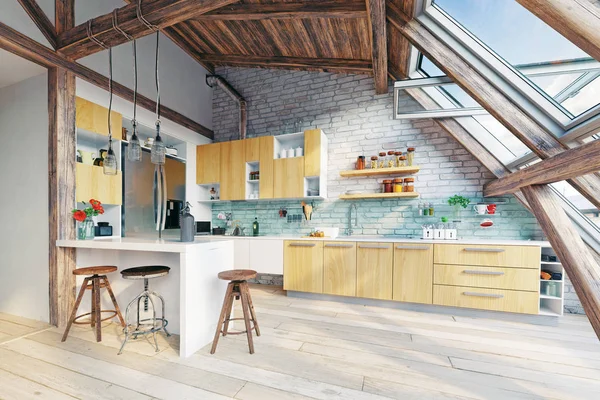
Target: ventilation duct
x=212, y=80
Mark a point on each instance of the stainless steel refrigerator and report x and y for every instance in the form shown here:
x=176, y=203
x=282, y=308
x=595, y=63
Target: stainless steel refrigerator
x=142, y=203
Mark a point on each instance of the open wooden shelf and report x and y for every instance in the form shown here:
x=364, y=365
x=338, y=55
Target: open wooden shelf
x=399, y=195
x=413, y=169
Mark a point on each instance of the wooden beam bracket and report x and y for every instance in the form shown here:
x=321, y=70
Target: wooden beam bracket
x=378, y=35
x=41, y=20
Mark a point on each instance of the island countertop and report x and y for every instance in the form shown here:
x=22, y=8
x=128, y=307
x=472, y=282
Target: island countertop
x=165, y=245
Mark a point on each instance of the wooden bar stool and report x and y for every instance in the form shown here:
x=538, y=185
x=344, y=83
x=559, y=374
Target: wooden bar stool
x=95, y=282
x=238, y=289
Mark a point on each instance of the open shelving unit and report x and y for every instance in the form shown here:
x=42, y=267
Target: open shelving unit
x=352, y=173
x=552, y=305
x=398, y=195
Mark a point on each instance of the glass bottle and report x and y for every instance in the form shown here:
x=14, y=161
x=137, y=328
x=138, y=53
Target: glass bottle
x=420, y=209
x=425, y=209
x=431, y=210
x=397, y=156
x=382, y=161
x=391, y=159
x=374, y=162
x=255, y=227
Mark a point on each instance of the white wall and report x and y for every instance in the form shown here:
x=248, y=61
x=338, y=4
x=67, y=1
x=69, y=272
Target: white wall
x=24, y=199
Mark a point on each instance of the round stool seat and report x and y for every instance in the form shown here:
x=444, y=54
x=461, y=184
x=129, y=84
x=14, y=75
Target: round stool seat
x=105, y=269
x=145, y=272
x=237, y=275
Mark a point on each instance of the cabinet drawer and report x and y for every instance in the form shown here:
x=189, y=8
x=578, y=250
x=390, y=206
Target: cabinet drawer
x=487, y=277
x=486, y=299
x=303, y=266
x=496, y=256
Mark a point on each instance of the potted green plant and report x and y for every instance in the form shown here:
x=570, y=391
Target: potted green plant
x=458, y=202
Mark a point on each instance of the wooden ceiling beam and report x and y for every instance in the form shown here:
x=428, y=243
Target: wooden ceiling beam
x=41, y=20
x=378, y=36
x=570, y=164
x=288, y=10
x=21, y=45
x=327, y=64
x=535, y=137
x=578, y=261
x=577, y=20
x=75, y=42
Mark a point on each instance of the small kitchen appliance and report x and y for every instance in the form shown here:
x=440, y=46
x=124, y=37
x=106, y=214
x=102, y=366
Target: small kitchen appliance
x=203, y=228
x=103, y=229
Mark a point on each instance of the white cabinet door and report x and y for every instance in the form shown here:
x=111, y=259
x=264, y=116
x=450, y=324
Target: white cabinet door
x=266, y=255
x=241, y=254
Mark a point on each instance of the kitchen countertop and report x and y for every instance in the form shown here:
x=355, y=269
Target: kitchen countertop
x=166, y=245
x=387, y=239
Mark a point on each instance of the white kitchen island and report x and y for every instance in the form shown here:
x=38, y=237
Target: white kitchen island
x=192, y=291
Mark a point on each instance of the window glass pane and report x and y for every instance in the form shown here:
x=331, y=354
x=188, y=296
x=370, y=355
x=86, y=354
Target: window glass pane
x=525, y=41
x=578, y=201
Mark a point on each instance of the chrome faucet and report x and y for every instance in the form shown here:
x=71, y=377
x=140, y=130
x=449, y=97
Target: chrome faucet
x=349, y=230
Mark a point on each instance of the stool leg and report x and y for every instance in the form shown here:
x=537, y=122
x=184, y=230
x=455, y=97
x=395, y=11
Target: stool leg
x=127, y=313
x=228, y=308
x=114, y=300
x=222, y=317
x=149, y=298
x=246, y=311
x=251, y=307
x=98, y=307
x=164, y=321
x=93, y=304
x=75, y=307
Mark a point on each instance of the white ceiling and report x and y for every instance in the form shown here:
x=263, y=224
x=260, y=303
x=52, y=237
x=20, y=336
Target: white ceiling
x=15, y=69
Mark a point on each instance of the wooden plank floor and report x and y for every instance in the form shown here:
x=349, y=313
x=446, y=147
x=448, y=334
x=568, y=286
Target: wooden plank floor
x=312, y=350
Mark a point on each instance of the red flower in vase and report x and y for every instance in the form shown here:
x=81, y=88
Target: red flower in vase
x=80, y=215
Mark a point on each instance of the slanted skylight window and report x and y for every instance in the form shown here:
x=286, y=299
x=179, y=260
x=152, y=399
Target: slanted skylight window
x=550, y=62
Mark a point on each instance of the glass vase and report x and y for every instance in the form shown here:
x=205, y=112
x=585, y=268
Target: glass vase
x=85, y=229
x=457, y=210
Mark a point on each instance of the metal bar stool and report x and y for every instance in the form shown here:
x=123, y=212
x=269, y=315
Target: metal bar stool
x=237, y=289
x=148, y=325
x=95, y=282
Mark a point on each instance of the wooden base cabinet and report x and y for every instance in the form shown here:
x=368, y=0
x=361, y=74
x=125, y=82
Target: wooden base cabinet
x=339, y=268
x=303, y=266
x=374, y=265
x=413, y=273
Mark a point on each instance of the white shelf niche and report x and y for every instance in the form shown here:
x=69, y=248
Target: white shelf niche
x=552, y=305
x=252, y=187
x=286, y=142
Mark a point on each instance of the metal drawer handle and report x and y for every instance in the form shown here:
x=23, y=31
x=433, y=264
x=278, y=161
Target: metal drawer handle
x=467, y=271
x=339, y=245
x=483, y=250
x=413, y=247
x=372, y=246
x=303, y=244
x=495, y=296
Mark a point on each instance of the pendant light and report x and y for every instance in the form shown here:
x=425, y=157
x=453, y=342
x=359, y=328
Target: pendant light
x=134, y=150
x=158, y=151
x=110, y=161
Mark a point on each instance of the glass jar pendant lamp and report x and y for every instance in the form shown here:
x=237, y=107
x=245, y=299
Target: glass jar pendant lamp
x=158, y=151
x=134, y=150
x=110, y=161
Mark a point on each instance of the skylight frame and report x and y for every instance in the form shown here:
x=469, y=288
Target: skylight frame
x=502, y=74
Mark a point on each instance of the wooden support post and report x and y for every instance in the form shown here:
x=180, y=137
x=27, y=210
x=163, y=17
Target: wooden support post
x=377, y=33
x=576, y=258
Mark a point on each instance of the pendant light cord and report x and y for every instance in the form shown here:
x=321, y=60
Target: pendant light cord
x=110, y=91
x=157, y=85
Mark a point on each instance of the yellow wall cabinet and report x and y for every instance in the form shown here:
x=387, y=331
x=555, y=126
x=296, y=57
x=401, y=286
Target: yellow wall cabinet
x=266, y=165
x=288, y=179
x=303, y=266
x=312, y=151
x=339, y=268
x=91, y=183
x=208, y=164
x=252, y=149
x=233, y=170
x=413, y=273
x=94, y=118
x=374, y=270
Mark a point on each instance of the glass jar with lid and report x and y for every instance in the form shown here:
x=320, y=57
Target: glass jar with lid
x=397, y=156
x=360, y=162
x=409, y=184
x=398, y=183
x=387, y=186
x=402, y=161
x=410, y=156
x=382, y=160
x=391, y=159
x=374, y=162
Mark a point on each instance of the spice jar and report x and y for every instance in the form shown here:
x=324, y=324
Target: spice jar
x=387, y=186
x=409, y=184
x=402, y=161
x=391, y=159
x=382, y=162
x=374, y=162
x=397, y=185
x=360, y=162
x=397, y=156
x=410, y=155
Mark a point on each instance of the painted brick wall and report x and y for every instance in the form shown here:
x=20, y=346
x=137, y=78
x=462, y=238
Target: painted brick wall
x=357, y=121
